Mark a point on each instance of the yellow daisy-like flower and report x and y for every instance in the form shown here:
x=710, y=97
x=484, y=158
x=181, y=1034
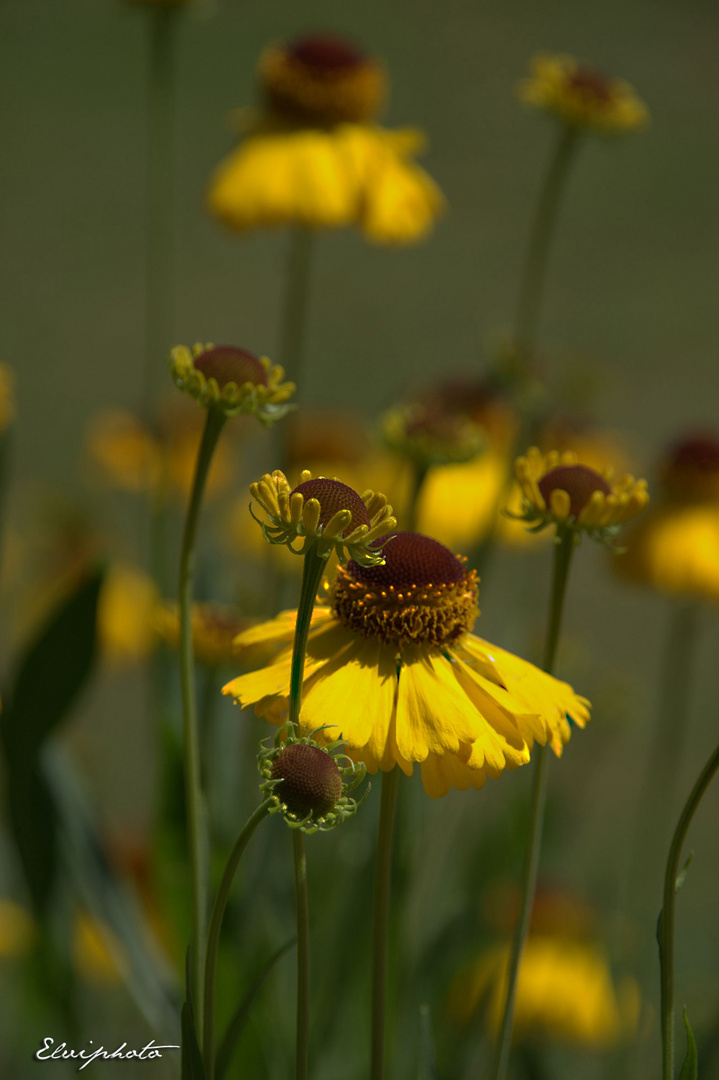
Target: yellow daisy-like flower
x=564, y=990
x=393, y=670
x=674, y=548
x=582, y=96
x=126, y=615
x=558, y=490
x=232, y=379
x=214, y=629
x=7, y=396
x=313, y=157
x=324, y=514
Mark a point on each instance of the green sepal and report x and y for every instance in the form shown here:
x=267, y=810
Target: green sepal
x=681, y=877
x=690, y=1068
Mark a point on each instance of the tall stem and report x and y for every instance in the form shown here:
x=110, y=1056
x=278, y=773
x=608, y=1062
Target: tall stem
x=666, y=925
x=533, y=277
x=314, y=567
x=215, y=928
x=419, y=475
x=562, y=560
x=294, y=312
x=160, y=196
x=303, y=955
x=382, y=885
x=190, y=739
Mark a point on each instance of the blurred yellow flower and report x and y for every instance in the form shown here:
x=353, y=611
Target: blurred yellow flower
x=96, y=951
x=134, y=458
x=564, y=991
x=17, y=930
x=674, y=548
x=214, y=629
x=313, y=157
x=7, y=396
x=393, y=670
x=582, y=96
x=126, y=614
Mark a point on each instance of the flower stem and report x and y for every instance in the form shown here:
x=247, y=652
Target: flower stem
x=303, y=956
x=419, y=475
x=534, y=274
x=562, y=561
x=160, y=196
x=314, y=567
x=190, y=740
x=382, y=883
x=215, y=928
x=294, y=313
x=666, y=924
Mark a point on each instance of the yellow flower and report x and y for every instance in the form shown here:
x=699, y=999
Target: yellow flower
x=558, y=490
x=7, y=396
x=214, y=629
x=233, y=380
x=134, y=458
x=564, y=991
x=392, y=669
x=126, y=614
x=675, y=547
x=97, y=953
x=582, y=96
x=313, y=157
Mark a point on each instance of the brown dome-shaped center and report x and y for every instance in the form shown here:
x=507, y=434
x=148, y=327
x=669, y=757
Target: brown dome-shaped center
x=229, y=364
x=311, y=781
x=579, y=481
x=332, y=496
x=411, y=559
x=326, y=53
x=699, y=453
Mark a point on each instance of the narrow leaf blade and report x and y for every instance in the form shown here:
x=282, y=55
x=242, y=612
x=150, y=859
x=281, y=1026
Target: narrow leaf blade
x=690, y=1068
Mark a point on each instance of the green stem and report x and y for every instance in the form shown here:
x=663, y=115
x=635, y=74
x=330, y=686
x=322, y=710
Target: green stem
x=314, y=567
x=420, y=470
x=666, y=925
x=303, y=955
x=534, y=275
x=160, y=196
x=215, y=928
x=294, y=313
x=190, y=739
x=382, y=884
x=560, y=574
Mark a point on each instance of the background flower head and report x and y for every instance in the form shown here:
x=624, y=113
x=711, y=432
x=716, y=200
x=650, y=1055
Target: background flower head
x=582, y=96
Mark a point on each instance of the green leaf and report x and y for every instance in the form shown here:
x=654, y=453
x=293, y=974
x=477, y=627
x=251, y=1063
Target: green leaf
x=238, y=1021
x=193, y=1067
x=32, y=819
x=690, y=1068
x=51, y=673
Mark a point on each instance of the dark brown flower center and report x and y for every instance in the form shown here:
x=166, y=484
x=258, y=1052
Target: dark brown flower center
x=579, y=481
x=311, y=781
x=692, y=469
x=700, y=453
x=332, y=496
x=229, y=364
x=592, y=83
x=325, y=53
x=422, y=595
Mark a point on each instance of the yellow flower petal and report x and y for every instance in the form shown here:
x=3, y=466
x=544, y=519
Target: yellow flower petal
x=433, y=715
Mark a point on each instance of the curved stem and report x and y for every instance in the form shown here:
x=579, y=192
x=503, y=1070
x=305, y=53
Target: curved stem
x=382, y=886
x=190, y=739
x=215, y=928
x=666, y=925
x=303, y=955
x=314, y=567
x=534, y=274
x=160, y=196
x=562, y=561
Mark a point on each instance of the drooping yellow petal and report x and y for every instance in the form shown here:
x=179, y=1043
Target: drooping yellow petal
x=433, y=715
x=280, y=629
x=441, y=772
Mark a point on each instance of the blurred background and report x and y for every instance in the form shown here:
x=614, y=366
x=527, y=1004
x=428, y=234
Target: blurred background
x=629, y=325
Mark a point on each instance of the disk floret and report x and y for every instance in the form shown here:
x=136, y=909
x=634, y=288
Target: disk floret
x=233, y=380
x=422, y=595
x=558, y=490
x=309, y=784
x=324, y=514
